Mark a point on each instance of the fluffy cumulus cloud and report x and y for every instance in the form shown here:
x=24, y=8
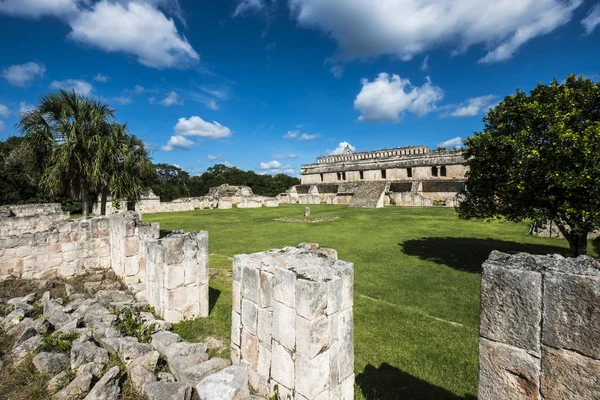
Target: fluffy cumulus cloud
x=196, y=126
x=451, y=143
x=171, y=99
x=178, y=142
x=387, y=98
x=275, y=167
x=473, y=106
x=80, y=87
x=4, y=111
x=214, y=158
x=296, y=134
x=101, y=78
x=36, y=8
x=24, y=108
x=405, y=28
x=592, y=20
x=269, y=165
x=340, y=149
x=136, y=28
x=23, y=74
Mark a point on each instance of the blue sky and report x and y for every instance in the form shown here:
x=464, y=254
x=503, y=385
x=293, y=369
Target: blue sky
x=269, y=85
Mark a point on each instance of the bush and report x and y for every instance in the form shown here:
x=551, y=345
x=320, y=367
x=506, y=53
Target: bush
x=58, y=342
x=129, y=323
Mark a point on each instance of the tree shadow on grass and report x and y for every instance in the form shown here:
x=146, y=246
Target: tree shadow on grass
x=467, y=254
x=213, y=296
x=390, y=383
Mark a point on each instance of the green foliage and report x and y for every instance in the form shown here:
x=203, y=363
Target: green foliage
x=23, y=382
x=538, y=157
x=129, y=323
x=58, y=342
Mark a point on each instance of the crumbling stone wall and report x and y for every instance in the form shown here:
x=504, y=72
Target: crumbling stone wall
x=540, y=328
x=66, y=249
x=292, y=322
x=128, y=236
x=177, y=275
x=29, y=218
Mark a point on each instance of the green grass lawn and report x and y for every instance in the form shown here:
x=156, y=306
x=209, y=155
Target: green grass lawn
x=417, y=273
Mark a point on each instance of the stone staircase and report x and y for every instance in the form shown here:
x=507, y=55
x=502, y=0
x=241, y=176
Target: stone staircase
x=369, y=195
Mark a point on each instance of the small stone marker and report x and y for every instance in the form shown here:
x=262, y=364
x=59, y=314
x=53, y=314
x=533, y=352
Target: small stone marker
x=307, y=211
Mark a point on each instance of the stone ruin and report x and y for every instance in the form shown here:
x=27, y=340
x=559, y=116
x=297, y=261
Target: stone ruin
x=222, y=197
x=540, y=328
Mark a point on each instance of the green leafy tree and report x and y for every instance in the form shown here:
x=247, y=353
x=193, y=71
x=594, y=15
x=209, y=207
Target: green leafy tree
x=538, y=157
x=68, y=128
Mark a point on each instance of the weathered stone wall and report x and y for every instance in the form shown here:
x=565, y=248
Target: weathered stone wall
x=540, y=328
x=30, y=218
x=128, y=236
x=66, y=249
x=292, y=322
x=177, y=275
x=409, y=199
x=29, y=210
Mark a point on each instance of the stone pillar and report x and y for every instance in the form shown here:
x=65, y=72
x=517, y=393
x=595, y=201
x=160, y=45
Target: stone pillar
x=307, y=211
x=292, y=322
x=177, y=275
x=540, y=328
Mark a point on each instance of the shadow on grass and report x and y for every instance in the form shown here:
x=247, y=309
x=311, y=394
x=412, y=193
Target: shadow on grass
x=390, y=383
x=213, y=296
x=467, y=254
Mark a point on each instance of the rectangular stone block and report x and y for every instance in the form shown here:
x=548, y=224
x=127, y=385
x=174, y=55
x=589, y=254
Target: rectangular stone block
x=249, y=316
x=346, y=339
x=282, y=366
x=132, y=246
x=312, y=337
x=236, y=296
x=312, y=375
x=265, y=325
x=346, y=271
x=511, y=306
x=265, y=291
x=284, y=325
x=572, y=313
x=334, y=295
x=311, y=298
x=264, y=361
x=249, y=349
x=284, y=290
x=250, y=283
x=174, y=276
x=507, y=372
x=568, y=375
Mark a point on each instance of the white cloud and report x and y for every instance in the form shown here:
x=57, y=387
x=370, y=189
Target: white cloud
x=122, y=100
x=177, y=142
x=451, y=143
x=4, y=111
x=337, y=71
x=172, y=98
x=388, y=98
x=102, y=78
x=296, y=134
x=405, y=28
x=134, y=28
x=36, y=8
x=22, y=75
x=80, y=87
x=248, y=5
x=473, y=106
x=213, y=158
x=212, y=105
x=196, y=126
x=279, y=156
x=269, y=165
x=2, y=126
x=425, y=64
x=340, y=149
x=139, y=89
x=25, y=108
x=592, y=20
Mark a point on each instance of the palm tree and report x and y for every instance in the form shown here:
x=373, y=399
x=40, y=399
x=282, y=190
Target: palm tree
x=70, y=129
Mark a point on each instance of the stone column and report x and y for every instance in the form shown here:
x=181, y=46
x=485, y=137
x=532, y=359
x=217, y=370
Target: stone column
x=540, y=328
x=292, y=322
x=177, y=275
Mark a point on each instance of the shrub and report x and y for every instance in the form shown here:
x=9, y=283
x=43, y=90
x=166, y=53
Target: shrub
x=58, y=342
x=129, y=323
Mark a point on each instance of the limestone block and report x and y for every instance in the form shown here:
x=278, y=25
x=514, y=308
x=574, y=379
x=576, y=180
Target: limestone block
x=334, y=295
x=174, y=276
x=174, y=250
x=284, y=325
x=250, y=283
x=132, y=246
x=511, y=304
x=249, y=316
x=312, y=375
x=249, y=349
x=264, y=361
x=236, y=296
x=346, y=271
x=271, y=203
x=568, y=375
x=311, y=298
x=236, y=354
x=236, y=328
x=238, y=261
x=348, y=388
x=507, y=372
x=312, y=336
x=265, y=324
x=569, y=320
x=282, y=366
x=224, y=204
x=177, y=298
x=346, y=339
x=284, y=290
x=265, y=290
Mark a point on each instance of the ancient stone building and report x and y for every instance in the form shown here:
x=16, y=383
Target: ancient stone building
x=405, y=176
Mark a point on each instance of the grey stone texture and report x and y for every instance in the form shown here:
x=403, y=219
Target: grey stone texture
x=292, y=322
x=229, y=384
x=540, y=327
x=51, y=363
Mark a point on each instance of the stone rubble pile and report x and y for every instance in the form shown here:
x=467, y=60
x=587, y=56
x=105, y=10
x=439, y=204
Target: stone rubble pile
x=101, y=357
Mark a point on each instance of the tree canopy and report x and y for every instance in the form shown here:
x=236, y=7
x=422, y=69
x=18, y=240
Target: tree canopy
x=537, y=158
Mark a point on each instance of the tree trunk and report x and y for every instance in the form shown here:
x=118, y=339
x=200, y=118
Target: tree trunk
x=85, y=199
x=577, y=240
x=103, y=198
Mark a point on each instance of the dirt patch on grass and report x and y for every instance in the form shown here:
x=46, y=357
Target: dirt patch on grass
x=307, y=219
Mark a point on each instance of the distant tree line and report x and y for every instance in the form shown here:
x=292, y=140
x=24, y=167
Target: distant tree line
x=72, y=150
